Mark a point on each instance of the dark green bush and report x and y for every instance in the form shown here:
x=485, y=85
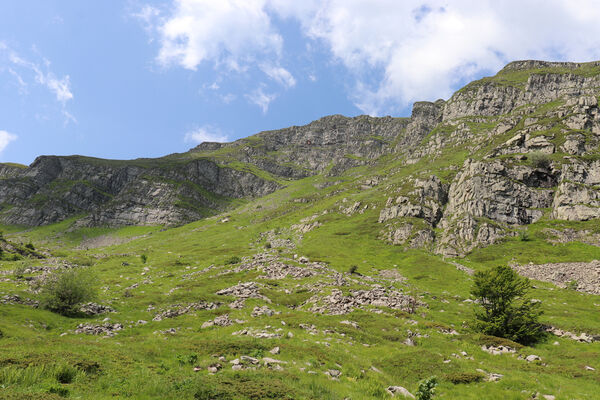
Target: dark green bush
x=464, y=377
x=144, y=258
x=65, y=374
x=505, y=309
x=88, y=367
x=30, y=246
x=59, y=390
x=352, y=269
x=539, y=160
x=19, y=272
x=233, y=260
x=426, y=389
x=65, y=291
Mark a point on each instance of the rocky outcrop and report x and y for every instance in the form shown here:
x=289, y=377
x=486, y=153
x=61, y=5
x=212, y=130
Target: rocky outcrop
x=578, y=195
x=543, y=85
x=114, y=193
x=485, y=197
x=581, y=276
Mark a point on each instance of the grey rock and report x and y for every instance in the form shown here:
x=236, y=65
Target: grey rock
x=399, y=391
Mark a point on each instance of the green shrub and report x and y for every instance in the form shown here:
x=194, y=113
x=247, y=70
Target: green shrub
x=352, y=269
x=88, y=367
x=59, y=390
x=1, y=334
x=464, y=377
x=19, y=272
x=233, y=260
x=504, y=308
x=190, y=359
x=210, y=393
x=572, y=285
x=65, y=291
x=524, y=236
x=30, y=246
x=65, y=374
x=539, y=160
x=426, y=389
x=144, y=258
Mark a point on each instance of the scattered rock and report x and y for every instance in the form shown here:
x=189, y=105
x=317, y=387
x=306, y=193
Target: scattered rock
x=180, y=310
x=107, y=329
x=95, y=309
x=399, y=391
x=264, y=310
x=496, y=350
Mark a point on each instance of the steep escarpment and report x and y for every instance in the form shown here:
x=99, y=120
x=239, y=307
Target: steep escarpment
x=514, y=149
x=184, y=187
x=502, y=153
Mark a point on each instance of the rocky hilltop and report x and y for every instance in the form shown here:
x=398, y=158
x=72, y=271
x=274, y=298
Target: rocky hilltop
x=501, y=153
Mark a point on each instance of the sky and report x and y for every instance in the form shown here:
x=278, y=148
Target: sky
x=146, y=78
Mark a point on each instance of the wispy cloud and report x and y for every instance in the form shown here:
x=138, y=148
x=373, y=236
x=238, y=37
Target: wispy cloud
x=19, y=67
x=235, y=36
x=205, y=133
x=5, y=139
x=279, y=74
x=261, y=99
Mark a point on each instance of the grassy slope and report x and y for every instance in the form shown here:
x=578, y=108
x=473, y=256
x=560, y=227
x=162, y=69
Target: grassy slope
x=139, y=364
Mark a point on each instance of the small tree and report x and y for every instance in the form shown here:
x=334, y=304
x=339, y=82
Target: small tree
x=144, y=258
x=426, y=389
x=64, y=292
x=505, y=309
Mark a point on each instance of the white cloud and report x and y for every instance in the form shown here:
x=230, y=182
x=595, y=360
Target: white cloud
x=424, y=50
x=395, y=52
x=25, y=71
x=60, y=87
x=205, y=134
x=5, y=139
x=279, y=74
x=261, y=99
x=232, y=33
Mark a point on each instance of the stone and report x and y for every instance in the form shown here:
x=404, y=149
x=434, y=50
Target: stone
x=274, y=350
x=399, y=391
x=333, y=373
x=532, y=358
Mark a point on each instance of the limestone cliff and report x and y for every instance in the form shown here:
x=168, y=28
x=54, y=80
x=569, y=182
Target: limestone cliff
x=501, y=153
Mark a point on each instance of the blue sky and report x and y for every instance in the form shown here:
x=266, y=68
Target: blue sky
x=136, y=78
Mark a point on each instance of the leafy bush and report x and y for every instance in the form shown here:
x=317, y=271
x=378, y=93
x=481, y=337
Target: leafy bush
x=59, y=390
x=464, y=377
x=19, y=272
x=539, y=160
x=64, y=292
x=504, y=309
x=572, y=285
x=144, y=258
x=65, y=374
x=524, y=236
x=352, y=269
x=190, y=359
x=30, y=246
x=233, y=260
x=88, y=367
x=426, y=389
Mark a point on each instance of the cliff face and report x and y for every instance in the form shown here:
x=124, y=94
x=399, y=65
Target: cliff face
x=503, y=152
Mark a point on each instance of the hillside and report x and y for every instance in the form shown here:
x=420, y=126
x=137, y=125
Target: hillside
x=328, y=261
